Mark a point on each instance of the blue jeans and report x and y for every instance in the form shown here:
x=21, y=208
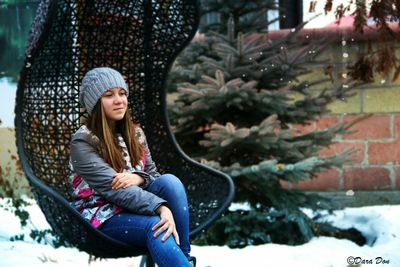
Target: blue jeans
x=135, y=229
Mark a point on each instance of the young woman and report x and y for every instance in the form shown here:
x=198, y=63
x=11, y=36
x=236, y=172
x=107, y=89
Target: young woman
x=116, y=185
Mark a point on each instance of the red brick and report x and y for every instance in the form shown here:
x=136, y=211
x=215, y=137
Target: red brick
x=356, y=157
x=303, y=129
x=327, y=180
x=366, y=178
x=374, y=127
x=397, y=178
x=326, y=122
x=384, y=152
x=396, y=126
x=285, y=184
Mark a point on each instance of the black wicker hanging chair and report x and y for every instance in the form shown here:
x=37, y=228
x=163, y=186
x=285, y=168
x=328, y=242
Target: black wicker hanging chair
x=139, y=38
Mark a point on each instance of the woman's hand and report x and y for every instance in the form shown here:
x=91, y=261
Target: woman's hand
x=125, y=179
x=166, y=224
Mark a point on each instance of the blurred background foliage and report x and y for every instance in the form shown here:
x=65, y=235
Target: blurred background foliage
x=16, y=17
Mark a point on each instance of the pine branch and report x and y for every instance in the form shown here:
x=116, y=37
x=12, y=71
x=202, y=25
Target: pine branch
x=299, y=171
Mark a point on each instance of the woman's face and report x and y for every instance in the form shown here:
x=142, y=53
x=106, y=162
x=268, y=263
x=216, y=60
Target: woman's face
x=115, y=103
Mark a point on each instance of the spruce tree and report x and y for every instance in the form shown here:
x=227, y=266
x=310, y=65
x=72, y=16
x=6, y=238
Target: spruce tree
x=239, y=94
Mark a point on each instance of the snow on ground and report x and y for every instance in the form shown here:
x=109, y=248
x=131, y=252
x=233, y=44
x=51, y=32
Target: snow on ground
x=380, y=224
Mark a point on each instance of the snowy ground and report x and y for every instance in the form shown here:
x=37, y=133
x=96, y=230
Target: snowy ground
x=380, y=224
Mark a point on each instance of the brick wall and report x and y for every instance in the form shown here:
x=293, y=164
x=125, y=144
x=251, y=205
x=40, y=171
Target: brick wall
x=375, y=164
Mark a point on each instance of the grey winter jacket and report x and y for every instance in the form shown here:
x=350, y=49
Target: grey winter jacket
x=87, y=161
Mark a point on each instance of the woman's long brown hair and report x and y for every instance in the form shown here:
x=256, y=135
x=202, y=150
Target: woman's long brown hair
x=98, y=124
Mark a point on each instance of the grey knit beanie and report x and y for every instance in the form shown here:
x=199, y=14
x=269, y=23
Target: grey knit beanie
x=96, y=82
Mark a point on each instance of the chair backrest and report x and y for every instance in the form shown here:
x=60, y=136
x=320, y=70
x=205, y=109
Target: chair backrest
x=139, y=38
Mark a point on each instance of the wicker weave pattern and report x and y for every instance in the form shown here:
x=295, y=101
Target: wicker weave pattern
x=138, y=38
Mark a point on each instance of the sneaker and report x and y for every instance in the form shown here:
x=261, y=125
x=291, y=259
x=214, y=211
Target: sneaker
x=192, y=260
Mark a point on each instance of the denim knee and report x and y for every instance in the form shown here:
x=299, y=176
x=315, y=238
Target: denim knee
x=153, y=220
x=171, y=182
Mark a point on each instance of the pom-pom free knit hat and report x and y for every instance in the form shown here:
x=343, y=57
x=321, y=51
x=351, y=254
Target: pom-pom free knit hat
x=96, y=82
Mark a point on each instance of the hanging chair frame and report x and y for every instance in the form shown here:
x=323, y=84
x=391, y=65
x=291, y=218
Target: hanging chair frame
x=66, y=222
